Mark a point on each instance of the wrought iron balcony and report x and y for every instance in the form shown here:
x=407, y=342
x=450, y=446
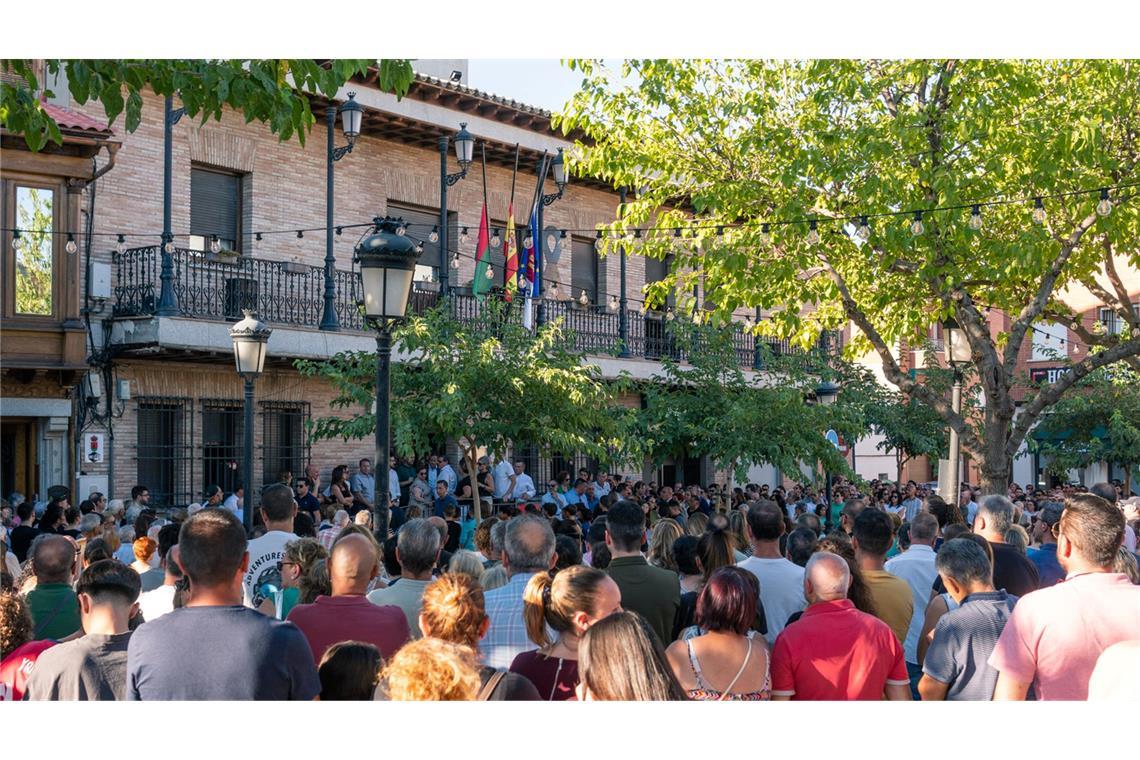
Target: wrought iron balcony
x=215, y=287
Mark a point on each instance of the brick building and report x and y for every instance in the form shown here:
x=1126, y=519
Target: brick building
x=166, y=407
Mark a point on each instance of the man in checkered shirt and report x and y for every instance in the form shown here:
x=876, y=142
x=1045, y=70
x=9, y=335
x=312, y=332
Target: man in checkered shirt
x=528, y=549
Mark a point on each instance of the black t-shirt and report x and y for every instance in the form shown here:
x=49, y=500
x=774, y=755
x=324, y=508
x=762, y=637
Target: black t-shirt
x=453, y=532
x=512, y=687
x=22, y=537
x=312, y=505
x=1013, y=571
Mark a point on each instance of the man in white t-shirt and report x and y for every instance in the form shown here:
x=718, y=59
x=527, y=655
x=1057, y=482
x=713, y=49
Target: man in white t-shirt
x=277, y=511
x=156, y=603
x=235, y=501
x=781, y=580
x=524, y=485
x=503, y=473
x=917, y=567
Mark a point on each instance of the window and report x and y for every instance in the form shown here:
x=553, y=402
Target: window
x=215, y=209
x=163, y=450
x=222, y=426
x=420, y=222
x=284, y=445
x=1049, y=341
x=1111, y=320
x=34, y=261
x=57, y=85
x=583, y=269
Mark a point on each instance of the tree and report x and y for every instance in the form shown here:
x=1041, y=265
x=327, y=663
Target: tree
x=273, y=91
x=34, y=258
x=909, y=428
x=799, y=143
x=488, y=382
x=1098, y=422
x=710, y=408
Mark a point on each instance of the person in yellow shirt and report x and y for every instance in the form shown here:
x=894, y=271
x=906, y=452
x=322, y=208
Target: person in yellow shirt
x=871, y=537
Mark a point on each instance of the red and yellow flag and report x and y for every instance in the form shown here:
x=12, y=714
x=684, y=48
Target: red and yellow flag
x=511, y=254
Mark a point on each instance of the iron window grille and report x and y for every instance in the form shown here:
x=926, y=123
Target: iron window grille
x=284, y=440
x=164, y=449
x=221, y=445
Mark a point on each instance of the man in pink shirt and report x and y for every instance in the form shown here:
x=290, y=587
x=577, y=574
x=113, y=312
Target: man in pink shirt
x=347, y=615
x=1055, y=635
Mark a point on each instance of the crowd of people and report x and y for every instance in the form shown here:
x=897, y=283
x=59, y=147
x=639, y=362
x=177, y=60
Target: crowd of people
x=600, y=588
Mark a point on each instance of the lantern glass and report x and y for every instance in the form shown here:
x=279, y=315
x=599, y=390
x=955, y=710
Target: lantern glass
x=464, y=146
x=827, y=393
x=250, y=340
x=351, y=114
x=386, y=291
x=957, y=347
x=559, y=167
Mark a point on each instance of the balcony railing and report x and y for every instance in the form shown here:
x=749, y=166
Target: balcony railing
x=214, y=287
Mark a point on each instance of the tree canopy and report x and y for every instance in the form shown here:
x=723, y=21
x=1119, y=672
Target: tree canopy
x=272, y=91
x=488, y=382
x=797, y=144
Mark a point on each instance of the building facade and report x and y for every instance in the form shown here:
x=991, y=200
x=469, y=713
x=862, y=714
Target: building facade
x=154, y=397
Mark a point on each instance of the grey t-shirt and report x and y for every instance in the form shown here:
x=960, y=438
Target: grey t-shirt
x=93, y=667
x=152, y=578
x=963, y=641
x=220, y=653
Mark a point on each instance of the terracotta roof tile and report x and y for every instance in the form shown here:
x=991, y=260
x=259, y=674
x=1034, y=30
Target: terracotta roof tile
x=74, y=121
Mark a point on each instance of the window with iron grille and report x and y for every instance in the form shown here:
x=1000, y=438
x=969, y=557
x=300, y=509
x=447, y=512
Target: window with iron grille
x=164, y=450
x=222, y=428
x=284, y=444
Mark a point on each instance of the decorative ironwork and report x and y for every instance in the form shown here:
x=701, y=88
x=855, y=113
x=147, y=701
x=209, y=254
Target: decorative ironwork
x=210, y=286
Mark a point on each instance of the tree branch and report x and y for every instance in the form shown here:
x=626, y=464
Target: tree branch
x=1124, y=309
x=1050, y=395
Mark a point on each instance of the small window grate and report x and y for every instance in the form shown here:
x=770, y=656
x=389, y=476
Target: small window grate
x=164, y=449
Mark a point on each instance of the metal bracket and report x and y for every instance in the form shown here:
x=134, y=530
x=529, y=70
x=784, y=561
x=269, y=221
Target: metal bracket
x=453, y=178
x=341, y=152
x=176, y=115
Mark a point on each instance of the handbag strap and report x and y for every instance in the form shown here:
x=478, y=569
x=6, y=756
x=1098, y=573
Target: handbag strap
x=46, y=621
x=492, y=684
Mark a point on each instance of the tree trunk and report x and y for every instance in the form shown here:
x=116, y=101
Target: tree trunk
x=472, y=456
x=996, y=465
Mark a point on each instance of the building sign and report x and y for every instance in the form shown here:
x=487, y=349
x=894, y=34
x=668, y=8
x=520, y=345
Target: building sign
x=1047, y=375
x=95, y=447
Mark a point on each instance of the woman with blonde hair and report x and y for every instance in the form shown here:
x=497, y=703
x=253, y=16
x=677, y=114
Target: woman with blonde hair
x=665, y=532
x=431, y=670
x=621, y=660
x=568, y=605
x=466, y=563
x=697, y=524
x=295, y=564
x=736, y=522
x=453, y=610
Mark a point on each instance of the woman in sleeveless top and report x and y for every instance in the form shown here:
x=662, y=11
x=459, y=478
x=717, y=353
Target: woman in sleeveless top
x=736, y=663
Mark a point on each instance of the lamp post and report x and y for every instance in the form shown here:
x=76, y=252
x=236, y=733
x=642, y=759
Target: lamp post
x=623, y=316
x=167, y=300
x=250, y=337
x=464, y=151
x=387, y=264
x=957, y=352
x=826, y=394
x=351, y=115
x=558, y=167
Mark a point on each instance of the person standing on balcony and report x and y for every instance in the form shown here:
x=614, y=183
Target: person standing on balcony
x=363, y=486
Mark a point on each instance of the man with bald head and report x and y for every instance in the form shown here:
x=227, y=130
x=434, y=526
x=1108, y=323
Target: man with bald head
x=53, y=603
x=347, y=615
x=834, y=651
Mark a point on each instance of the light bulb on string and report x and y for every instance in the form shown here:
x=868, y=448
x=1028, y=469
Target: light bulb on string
x=419, y=246
x=976, y=217
x=554, y=290
x=678, y=241
x=613, y=304
x=584, y=299
x=401, y=230
x=720, y=234
x=121, y=245
x=496, y=241
x=215, y=244
x=257, y=236
x=917, y=227
x=168, y=246
x=455, y=261
x=813, y=233
x=1104, y=207
x=490, y=273
x=433, y=236
x=598, y=241
x=765, y=234
x=864, y=229
x=339, y=231
x=747, y=323
x=1038, y=210
x=463, y=236
x=670, y=316
x=71, y=247
x=15, y=239
x=301, y=234
x=636, y=238
x=528, y=242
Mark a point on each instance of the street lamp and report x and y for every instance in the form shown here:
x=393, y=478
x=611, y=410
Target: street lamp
x=387, y=264
x=464, y=152
x=352, y=114
x=167, y=299
x=826, y=394
x=957, y=353
x=249, y=337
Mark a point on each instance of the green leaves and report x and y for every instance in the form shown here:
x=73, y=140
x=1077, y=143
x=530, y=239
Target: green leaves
x=274, y=92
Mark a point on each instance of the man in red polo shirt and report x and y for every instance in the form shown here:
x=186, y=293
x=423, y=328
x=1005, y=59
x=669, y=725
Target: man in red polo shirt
x=347, y=615
x=834, y=651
